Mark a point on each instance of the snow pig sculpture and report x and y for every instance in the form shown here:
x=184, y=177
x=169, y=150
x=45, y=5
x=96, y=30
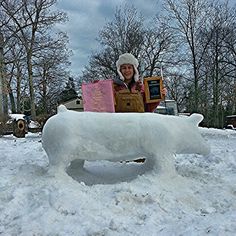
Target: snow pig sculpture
x=71, y=135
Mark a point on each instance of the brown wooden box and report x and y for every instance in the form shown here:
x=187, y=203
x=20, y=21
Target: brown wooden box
x=153, y=87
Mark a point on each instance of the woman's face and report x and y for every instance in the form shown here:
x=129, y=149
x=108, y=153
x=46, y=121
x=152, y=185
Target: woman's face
x=127, y=70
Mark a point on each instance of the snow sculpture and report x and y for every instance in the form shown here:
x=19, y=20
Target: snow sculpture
x=71, y=135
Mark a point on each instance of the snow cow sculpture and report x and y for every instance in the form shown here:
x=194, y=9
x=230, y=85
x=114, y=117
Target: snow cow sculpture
x=71, y=135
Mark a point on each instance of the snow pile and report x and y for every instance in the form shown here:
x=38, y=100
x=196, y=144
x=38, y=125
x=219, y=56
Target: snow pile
x=17, y=116
x=118, y=198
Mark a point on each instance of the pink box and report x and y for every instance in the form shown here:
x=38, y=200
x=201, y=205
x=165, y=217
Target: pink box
x=98, y=96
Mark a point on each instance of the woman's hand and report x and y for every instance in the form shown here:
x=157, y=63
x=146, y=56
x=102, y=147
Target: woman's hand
x=138, y=85
x=164, y=91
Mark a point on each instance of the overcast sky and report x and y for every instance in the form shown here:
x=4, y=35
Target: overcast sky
x=87, y=17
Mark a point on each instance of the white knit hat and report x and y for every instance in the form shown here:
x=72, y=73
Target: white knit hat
x=128, y=58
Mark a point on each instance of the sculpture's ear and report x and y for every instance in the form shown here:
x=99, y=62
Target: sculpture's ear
x=61, y=108
x=196, y=118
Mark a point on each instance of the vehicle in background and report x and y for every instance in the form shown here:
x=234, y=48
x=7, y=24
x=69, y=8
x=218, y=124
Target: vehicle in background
x=230, y=127
x=230, y=122
x=167, y=107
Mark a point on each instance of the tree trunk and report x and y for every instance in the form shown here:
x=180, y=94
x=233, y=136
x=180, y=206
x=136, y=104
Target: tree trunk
x=3, y=89
x=12, y=100
x=18, y=92
x=31, y=86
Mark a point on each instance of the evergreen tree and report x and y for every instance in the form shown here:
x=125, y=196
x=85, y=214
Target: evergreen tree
x=69, y=92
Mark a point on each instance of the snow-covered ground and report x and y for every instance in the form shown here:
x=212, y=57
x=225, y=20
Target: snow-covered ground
x=118, y=198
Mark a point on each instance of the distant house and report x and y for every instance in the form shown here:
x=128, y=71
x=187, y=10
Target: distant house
x=75, y=104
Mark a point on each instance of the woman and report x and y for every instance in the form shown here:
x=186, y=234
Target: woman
x=129, y=89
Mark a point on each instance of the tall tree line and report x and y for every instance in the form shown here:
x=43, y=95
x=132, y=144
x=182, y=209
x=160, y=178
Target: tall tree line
x=35, y=55
x=193, y=42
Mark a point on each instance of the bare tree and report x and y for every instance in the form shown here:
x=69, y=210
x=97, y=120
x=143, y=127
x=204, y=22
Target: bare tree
x=15, y=72
x=187, y=19
x=217, y=68
x=125, y=33
x=3, y=85
x=50, y=66
x=28, y=21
